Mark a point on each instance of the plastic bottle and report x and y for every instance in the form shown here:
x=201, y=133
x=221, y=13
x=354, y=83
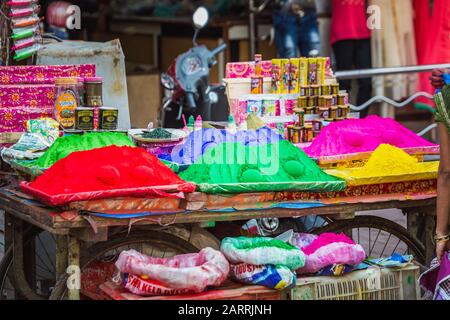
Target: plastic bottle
x=198, y=123
x=231, y=125
x=191, y=124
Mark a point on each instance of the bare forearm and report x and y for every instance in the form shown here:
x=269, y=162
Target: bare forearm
x=443, y=204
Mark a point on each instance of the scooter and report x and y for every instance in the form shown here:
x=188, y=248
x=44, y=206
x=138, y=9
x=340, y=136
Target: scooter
x=186, y=83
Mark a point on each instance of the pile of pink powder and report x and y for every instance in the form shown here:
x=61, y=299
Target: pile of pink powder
x=363, y=135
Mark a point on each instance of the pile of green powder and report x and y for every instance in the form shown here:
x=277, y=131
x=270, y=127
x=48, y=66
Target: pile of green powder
x=158, y=133
x=265, y=163
x=64, y=146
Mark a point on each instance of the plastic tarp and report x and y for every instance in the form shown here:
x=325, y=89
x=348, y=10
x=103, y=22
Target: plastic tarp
x=192, y=272
x=262, y=251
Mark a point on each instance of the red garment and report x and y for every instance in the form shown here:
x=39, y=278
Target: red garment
x=432, y=29
x=349, y=21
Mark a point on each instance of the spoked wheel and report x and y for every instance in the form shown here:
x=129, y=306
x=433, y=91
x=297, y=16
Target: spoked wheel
x=378, y=236
x=37, y=282
x=98, y=264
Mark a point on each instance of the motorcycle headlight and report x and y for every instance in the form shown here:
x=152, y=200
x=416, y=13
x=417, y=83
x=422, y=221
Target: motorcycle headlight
x=167, y=82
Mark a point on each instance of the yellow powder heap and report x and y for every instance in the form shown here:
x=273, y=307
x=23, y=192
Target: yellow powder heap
x=389, y=160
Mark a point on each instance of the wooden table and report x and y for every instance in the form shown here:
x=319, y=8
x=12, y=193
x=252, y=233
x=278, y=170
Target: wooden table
x=71, y=228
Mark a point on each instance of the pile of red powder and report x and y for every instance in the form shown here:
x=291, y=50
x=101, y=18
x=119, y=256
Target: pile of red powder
x=109, y=168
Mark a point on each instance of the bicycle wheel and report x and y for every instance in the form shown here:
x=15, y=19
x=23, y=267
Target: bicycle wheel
x=97, y=264
x=379, y=237
x=39, y=278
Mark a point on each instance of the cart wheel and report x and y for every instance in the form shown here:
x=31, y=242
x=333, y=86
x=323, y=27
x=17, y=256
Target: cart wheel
x=98, y=261
x=380, y=237
x=43, y=269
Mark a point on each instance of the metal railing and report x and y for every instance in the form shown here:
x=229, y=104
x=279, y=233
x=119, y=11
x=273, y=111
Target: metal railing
x=368, y=73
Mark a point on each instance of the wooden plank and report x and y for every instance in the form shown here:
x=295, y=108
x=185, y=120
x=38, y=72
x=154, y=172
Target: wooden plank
x=204, y=216
x=10, y=137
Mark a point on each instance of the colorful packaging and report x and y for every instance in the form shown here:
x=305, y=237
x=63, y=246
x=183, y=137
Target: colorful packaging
x=286, y=75
x=312, y=71
x=269, y=108
x=31, y=96
x=303, y=76
x=258, y=65
x=108, y=118
x=41, y=74
x=271, y=276
x=254, y=106
x=321, y=68
x=12, y=119
x=294, y=86
x=257, y=85
x=262, y=251
x=277, y=77
x=290, y=104
x=192, y=272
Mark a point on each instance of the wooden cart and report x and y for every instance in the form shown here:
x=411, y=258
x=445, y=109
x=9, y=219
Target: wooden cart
x=83, y=246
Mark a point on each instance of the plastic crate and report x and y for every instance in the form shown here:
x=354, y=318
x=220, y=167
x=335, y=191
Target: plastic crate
x=369, y=284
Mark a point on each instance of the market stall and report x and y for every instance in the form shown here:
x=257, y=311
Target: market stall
x=96, y=212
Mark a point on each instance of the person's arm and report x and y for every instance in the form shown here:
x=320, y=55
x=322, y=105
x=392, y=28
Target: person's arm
x=443, y=199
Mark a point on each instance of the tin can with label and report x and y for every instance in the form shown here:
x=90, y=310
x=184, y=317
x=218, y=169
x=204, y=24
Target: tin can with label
x=315, y=90
x=335, y=88
x=342, y=99
x=324, y=112
x=312, y=101
x=84, y=118
x=310, y=110
x=326, y=90
x=333, y=112
x=304, y=91
x=308, y=133
x=327, y=101
x=108, y=118
x=302, y=102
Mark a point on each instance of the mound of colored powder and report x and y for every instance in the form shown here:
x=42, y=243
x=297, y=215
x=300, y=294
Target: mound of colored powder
x=325, y=239
x=363, y=135
x=389, y=160
x=109, y=168
x=158, y=133
x=198, y=142
x=64, y=146
x=238, y=163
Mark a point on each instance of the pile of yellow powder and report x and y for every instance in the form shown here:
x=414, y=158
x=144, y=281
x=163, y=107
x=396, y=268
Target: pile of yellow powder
x=389, y=160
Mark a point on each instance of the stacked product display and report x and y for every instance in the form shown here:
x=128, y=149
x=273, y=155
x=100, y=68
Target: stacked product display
x=303, y=96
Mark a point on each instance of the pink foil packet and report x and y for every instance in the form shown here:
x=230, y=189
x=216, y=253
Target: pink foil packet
x=43, y=74
x=27, y=96
x=12, y=119
x=247, y=69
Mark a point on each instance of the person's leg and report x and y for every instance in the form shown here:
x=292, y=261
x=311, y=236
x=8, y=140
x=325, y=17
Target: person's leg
x=286, y=37
x=343, y=52
x=308, y=34
x=363, y=60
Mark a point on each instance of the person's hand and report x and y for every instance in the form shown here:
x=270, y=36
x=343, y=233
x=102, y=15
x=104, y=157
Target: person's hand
x=441, y=249
x=436, y=78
